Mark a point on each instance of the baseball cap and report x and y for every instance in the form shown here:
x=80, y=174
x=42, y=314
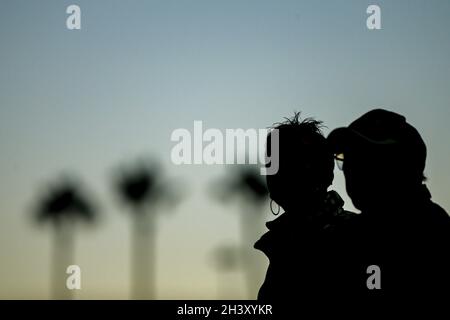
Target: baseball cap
x=384, y=129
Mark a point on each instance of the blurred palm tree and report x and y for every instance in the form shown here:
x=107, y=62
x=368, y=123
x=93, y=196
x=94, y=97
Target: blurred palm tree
x=225, y=259
x=246, y=186
x=143, y=188
x=63, y=206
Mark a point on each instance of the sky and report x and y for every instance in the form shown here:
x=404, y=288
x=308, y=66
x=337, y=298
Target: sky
x=85, y=101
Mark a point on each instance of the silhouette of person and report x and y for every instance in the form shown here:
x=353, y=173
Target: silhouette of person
x=400, y=230
x=295, y=243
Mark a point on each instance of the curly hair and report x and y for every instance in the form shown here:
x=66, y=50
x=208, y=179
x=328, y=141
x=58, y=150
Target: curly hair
x=308, y=124
x=301, y=139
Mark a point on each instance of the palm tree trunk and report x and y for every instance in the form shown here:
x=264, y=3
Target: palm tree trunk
x=251, y=222
x=225, y=288
x=143, y=256
x=63, y=253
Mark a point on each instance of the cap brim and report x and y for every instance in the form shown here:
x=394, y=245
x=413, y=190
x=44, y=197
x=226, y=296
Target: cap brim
x=343, y=138
x=339, y=139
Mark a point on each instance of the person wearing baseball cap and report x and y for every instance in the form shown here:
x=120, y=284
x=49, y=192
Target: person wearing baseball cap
x=400, y=230
x=382, y=156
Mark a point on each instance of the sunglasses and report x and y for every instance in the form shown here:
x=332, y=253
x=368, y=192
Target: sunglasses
x=339, y=158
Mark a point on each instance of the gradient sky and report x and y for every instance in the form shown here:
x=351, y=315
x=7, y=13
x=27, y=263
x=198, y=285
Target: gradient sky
x=85, y=101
